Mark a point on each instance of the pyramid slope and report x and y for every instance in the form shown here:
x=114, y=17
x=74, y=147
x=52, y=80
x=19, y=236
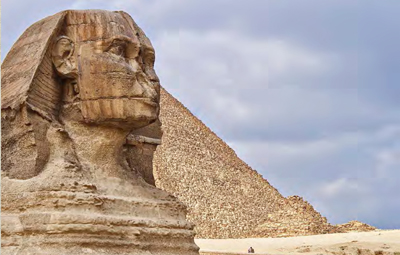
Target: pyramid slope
x=224, y=196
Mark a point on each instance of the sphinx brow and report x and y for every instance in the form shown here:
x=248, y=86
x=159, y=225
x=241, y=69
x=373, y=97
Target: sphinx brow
x=125, y=39
x=109, y=41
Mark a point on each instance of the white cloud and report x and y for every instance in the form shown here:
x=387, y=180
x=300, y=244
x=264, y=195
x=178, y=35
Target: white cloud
x=209, y=70
x=280, y=152
x=342, y=187
x=259, y=57
x=388, y=164
x=270, y=85
x=230, y=107
x=377, y=143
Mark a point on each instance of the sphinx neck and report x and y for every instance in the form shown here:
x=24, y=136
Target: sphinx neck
x=99, y=148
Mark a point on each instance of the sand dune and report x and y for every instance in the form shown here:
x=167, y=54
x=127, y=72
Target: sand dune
x=385, y=242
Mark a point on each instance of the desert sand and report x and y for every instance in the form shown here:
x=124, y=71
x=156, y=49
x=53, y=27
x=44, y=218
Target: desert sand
x=374, y=242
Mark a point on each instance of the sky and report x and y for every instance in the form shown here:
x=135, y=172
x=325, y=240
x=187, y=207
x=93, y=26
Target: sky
x=306, y=92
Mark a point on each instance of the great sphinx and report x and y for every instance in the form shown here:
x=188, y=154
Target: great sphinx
x=75, y=87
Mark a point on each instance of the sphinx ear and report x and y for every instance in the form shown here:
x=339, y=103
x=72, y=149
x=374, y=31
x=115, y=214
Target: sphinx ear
x=62, y=57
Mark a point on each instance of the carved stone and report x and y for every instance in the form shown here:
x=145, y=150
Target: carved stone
x=74, y=86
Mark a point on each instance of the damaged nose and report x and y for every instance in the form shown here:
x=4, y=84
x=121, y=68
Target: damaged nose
x=150, y=92
x=146, y=88
x=152, y=75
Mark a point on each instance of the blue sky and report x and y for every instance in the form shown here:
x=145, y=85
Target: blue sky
x=306, y=92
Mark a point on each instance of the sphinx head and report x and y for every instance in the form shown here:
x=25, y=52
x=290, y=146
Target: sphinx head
x=106, y=65
x=91, y=67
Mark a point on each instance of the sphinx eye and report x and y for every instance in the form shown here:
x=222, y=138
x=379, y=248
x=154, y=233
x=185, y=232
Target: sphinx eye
x=118, y=48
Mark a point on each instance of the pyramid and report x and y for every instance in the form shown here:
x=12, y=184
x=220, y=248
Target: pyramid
x=225, y=197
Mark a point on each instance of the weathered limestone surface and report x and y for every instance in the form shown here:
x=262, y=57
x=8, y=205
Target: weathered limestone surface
x=224, y=196
x=298, y=218
x=74, y=86
x=355, y=226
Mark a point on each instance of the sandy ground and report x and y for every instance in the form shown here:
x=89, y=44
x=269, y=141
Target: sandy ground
x=387, y=241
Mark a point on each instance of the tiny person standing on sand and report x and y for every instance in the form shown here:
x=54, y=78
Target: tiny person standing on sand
x=250, y=250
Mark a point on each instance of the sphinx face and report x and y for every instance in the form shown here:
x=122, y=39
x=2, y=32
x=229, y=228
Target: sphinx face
x=116, y=82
